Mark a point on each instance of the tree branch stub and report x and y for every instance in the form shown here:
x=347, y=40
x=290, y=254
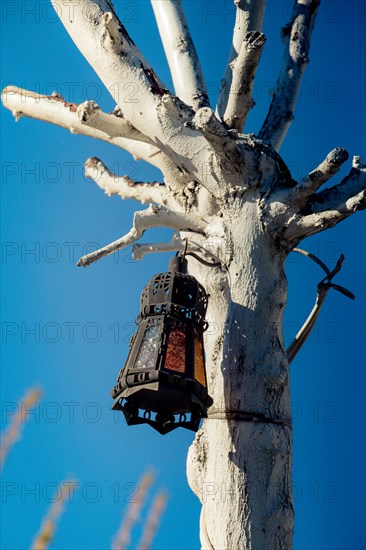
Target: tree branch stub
x=249, y=17
x=297, y=35
x=244, y=68
x=125, y=187
x=153, y=216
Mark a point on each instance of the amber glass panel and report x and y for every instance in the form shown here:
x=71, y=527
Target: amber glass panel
x=199, y=360
x=176, y=351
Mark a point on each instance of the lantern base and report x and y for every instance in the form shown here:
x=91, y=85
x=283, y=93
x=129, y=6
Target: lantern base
x=163, y=422
x=164, y=401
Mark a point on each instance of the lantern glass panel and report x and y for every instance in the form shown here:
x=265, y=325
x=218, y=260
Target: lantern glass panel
x=199, y=360
x=175, y=358
x=147, y=355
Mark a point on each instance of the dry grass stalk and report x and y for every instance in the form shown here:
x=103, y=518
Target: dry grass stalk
x=123, y=537
x=153, y=521
x=13, y=432
x=48, y=526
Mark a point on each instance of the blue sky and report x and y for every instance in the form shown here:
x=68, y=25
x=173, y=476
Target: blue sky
x=82, y=319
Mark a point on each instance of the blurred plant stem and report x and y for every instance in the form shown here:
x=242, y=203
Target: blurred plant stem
x=13, y=433
x=152, y=523
x=122, y=539
x=48, y=526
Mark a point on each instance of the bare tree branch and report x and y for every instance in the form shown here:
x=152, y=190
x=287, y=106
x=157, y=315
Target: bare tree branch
x=249, y=17
x=154, y=216
x=176, y=244
x=56, y=110
x=350, y=186
x=180, y=52
x=323, y=288
x=331, y=206
x=244, y=68
x=103, y=40
x=295, y=217
x=87, y=119
x=308, y=326
x=125, y=187
x=90, y=114
x=314, y=223
x=151, y=109
x=320, y=175
x=139, y=251
x=297, y=35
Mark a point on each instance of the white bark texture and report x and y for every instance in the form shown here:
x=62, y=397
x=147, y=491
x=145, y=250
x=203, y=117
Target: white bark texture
x=249, y=18
x=296, y=36
x=237, y=213
x=180, y=53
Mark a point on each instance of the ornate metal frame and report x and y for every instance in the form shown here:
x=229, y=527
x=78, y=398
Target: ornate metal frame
x=151, y=393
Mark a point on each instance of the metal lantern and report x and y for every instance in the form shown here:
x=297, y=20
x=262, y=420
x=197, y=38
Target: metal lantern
x=163, y=383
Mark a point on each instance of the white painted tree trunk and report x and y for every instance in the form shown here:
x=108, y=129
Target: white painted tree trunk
x=232, y=197
x=241, y=470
